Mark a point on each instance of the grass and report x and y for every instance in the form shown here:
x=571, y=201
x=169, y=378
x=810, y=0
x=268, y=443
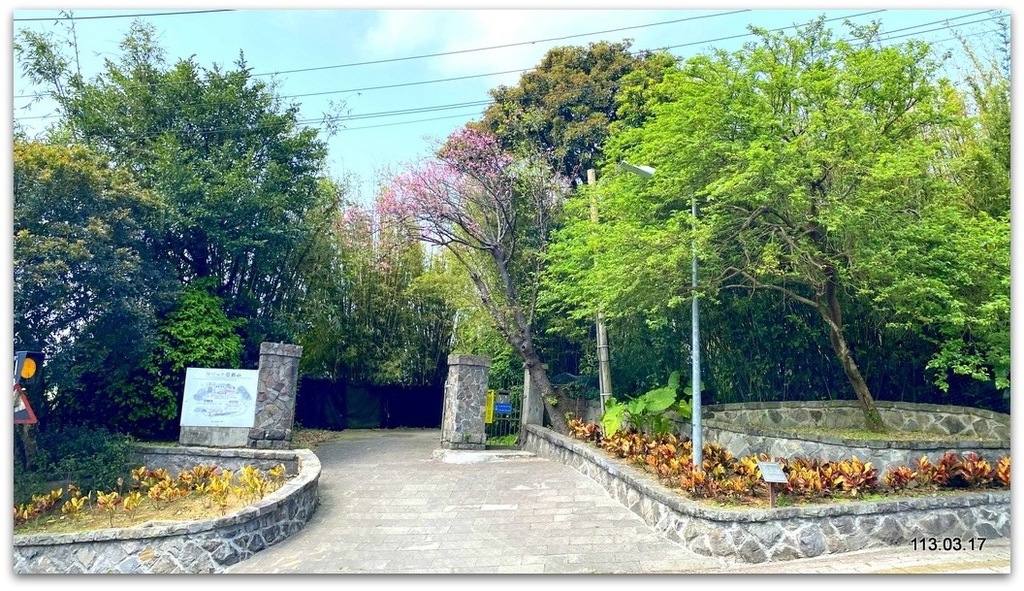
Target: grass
x=504, y=440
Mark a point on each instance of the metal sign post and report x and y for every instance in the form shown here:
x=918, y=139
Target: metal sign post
x=489, y=407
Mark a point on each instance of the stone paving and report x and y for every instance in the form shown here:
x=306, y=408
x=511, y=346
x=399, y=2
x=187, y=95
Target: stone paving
x=392, y=502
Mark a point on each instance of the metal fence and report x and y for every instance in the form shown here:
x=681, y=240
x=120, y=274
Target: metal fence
x=502, y=415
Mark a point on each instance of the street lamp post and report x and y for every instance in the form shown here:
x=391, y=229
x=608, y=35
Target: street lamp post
x=697, y=436
x=604, y=371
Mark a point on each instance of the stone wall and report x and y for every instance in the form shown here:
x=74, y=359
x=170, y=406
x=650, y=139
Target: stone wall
x=465, y=393
x=774, y=429
x=190, y=547
x=178, y=459
x=966, y=422
x=785, y=533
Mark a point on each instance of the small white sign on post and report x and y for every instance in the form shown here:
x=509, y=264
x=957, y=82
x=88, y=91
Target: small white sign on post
x=219, y=397
x=771, y=472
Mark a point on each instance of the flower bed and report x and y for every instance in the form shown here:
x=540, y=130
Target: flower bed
x=196, y=547
x=782, y=533
x=779, y=429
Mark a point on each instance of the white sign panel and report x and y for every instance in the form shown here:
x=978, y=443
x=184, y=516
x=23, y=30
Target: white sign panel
x=772, y=472
x=219, y=397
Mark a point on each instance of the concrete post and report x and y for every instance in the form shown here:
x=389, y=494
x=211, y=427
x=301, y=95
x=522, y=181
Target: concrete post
x=533, y=404
x=465, y=393
x=275, y=396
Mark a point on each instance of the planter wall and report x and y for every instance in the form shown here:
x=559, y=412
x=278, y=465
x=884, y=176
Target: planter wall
x=773, y=428
x=961, y=421
x=763, y=535
x=193, y=547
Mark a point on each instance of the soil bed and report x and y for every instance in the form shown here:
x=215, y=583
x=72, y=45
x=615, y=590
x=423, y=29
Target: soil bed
x=191, y=508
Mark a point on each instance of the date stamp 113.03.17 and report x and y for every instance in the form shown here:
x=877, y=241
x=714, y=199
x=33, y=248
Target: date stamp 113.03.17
x=947, y=544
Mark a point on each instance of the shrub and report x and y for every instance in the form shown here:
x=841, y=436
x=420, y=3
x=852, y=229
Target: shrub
x=724, y=477
x=77, y=453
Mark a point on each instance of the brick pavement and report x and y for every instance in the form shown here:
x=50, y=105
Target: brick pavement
x=391, y=503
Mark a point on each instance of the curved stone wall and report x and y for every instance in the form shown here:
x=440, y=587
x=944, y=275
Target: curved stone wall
x=191, y=547
x=773, y=428
x=786, y=533
x=969, y=423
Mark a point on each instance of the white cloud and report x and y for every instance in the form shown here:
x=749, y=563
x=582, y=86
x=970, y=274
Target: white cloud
x=398, y=33
x=401, y=33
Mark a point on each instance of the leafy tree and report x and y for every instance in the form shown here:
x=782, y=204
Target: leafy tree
x=367, y=318
x=563, y=107
x=197, y=333
x=239, y=176
x=812, y=160
x=84, y=276
x=493, y=212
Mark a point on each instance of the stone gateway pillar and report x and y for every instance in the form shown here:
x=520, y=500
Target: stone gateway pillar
x=465, y=393
x=275, y=396
x=533, y=403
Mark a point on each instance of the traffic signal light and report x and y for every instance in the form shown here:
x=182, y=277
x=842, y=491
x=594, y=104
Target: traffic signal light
x=28, y=384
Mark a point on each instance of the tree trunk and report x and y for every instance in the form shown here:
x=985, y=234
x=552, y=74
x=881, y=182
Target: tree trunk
x=541, y=384
x=832, y=313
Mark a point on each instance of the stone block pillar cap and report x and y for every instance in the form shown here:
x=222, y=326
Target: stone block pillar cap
x=481, y=360
x=282, y=349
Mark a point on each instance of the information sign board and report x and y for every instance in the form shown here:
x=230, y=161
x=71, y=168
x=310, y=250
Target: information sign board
x=772, y=472
x=219, y=397
x=503, y=408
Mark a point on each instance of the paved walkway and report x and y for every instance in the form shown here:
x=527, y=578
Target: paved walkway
x=392, y=503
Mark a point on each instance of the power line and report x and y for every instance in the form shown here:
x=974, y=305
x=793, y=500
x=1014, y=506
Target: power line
x=415, y=110
x=504, y=46
x=946, y=27
x=396, y=112
x=714, y=40
x=402, y=84
x=466, y=51
x=887, y=36
x=887, y=33
x=87, y=18
x=408, y=122
x=399, y=85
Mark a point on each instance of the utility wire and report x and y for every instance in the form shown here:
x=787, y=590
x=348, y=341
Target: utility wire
x=504, y=46
x=87, y=18
x=714, y=40
x=480, y=103
x=407, y=122
x=470, y=50
x=402, y=84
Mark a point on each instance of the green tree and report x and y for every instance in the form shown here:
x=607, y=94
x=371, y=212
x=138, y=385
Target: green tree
x=367, y=318
x=563, y=108
x=197, y=333
x=237, y=172
x=85, y=282
x=809, y=157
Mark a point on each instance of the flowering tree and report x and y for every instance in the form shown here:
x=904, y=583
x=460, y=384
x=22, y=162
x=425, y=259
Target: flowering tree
x=493, y=211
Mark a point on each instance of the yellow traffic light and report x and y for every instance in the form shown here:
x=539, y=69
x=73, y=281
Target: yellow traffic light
x=28, y=368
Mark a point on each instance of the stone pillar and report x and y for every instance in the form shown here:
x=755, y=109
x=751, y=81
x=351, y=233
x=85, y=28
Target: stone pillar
x=275, y=396
x=465, y=393
x=533, y=404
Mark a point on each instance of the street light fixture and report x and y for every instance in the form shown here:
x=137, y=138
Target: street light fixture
x=643, y=171
x=697, y=435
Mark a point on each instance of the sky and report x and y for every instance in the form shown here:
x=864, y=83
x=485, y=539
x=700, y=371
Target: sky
x=404, y=79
